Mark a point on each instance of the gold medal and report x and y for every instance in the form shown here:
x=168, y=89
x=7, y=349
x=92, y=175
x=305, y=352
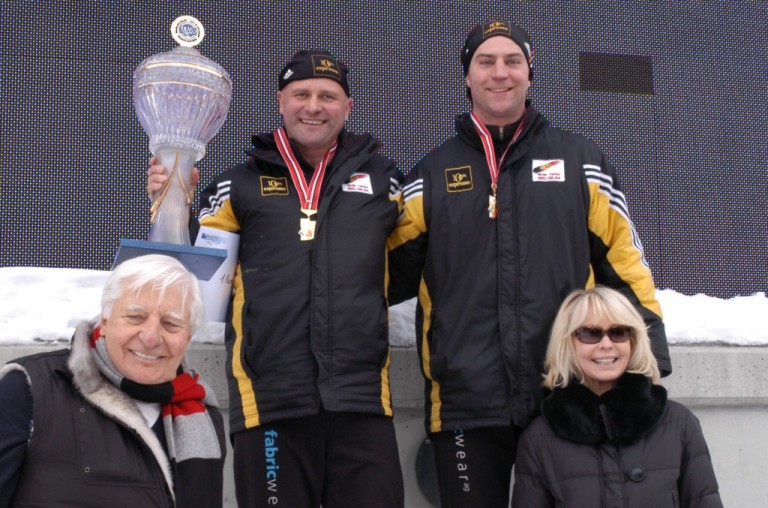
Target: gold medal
x=307, y=229
x=492, y=211
x=307, y=225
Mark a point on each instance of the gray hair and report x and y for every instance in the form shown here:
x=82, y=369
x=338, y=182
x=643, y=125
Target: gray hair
x=159, y=273
x=561, y=363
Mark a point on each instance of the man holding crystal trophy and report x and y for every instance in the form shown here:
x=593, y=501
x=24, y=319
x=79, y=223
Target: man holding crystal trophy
x=307, y=324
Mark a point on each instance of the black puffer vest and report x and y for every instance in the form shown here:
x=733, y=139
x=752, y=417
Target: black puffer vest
x=78, y=456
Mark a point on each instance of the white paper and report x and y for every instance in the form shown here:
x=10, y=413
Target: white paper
x=218, y=289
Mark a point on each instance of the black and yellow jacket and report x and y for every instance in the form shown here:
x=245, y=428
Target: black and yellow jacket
x=489, y=289
x=308, y=319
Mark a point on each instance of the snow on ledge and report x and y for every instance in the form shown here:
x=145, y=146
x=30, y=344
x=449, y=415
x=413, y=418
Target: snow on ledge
x=43, y=306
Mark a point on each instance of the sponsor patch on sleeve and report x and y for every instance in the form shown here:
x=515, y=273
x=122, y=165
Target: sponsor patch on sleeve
x=358, y=182
x=458, y=179
x=552, y=170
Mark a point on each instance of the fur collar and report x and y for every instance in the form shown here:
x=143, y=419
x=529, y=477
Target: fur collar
x=113, y=402
x=622, y=415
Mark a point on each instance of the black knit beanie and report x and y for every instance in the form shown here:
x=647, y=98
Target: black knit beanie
x=484, y=31
x=313, y=64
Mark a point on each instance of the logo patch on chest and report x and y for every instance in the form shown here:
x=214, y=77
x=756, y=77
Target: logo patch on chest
x=552, y=170
x=273, y=186
x=358, y=182
x=458, y=179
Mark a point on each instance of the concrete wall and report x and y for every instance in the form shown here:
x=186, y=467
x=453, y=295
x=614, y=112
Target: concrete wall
x=726, y=387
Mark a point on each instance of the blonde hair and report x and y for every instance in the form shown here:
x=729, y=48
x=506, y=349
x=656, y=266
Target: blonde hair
x=561, y=363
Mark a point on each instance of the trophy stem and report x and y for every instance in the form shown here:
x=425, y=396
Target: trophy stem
x=170, y=212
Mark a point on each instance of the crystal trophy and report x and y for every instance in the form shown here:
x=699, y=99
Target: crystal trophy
x=182, y=99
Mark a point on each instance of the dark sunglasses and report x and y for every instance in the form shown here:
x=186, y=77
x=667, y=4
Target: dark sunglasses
x=593, y=334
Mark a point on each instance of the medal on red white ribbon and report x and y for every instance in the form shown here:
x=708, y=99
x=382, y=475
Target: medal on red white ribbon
x=490, y=157
x=309, y=194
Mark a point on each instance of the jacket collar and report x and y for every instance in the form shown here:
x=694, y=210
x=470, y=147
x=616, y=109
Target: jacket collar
x=349, y=144
x=622, y=416
x=465, y=128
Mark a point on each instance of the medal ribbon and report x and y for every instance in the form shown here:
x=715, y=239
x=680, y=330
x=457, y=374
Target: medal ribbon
x=490, y=151
x=309, y=195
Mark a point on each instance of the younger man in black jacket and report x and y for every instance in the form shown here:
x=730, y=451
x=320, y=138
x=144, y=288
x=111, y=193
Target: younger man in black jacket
x=501, y=222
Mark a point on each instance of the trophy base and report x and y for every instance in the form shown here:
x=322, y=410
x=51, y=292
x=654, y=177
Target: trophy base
x=202, y=261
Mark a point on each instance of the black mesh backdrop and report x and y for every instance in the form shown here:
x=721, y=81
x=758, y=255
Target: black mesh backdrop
x=690, y=150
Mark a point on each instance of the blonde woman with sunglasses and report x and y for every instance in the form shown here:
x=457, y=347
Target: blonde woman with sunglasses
x=607, y=435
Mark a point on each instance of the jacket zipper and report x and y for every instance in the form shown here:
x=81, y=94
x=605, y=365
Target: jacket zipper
x=601, y=472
